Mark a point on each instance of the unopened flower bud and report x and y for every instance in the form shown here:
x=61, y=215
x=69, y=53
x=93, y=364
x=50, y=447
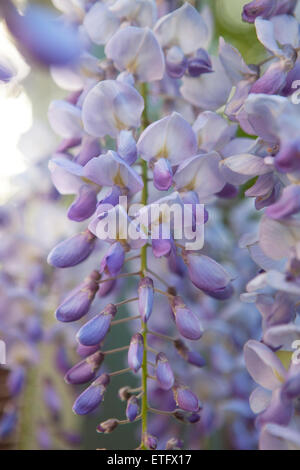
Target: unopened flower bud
x=136, y=352
x=107, y=426
x=146, y=294
x=95, y=330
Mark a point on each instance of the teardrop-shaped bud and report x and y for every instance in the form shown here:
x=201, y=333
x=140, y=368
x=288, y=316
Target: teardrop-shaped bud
x=136, y=352
x=162, y=174
x=164, y=373
x=107, y=426
x=95, y=330
x=146, y=295
x=132, y=409
x=186, y=399
x=72, y=251
x=105, y=286
x=84, y=205
x=113, y=261
x=92, y=396
x=188, y=324
x=149, y=441
x=78, y=304
x=207, y=274
x=85, y=370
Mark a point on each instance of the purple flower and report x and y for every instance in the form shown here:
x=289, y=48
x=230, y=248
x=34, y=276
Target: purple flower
x=85, y=370
x=164, y=373
x=136, y=352
x=132, y=409
x=199, y=64
x=186, y=399
x=113, y=261
x=187, y=322
x=77, y=304
x=84, y=205
x=92, y=396
x=207, y=274
x=146, y=296
x=95, y=330
x=72, y=251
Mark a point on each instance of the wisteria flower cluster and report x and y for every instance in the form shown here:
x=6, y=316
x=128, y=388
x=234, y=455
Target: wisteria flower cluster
x=157, y=116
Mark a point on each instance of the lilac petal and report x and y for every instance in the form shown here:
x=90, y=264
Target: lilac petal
x=256, y=8
x=127, y=147
x=42, y=37
x=275, y=437
x=136, y=352
x=121, y=108
x=162, y=175
x=288, y=158
x=161, y=247
x=201, y=174
x=266, y=35
x=176, y=62
x=187, y=322
x=85, y=370
x=113, y=261
x=263, y=365
x=90, y=148
x=100, y=23
x=199, y=64
x=95, y=330
x=291, y=388
x=288, y=204
x=65, y=119
x=275, y=239
x=171, y=137
x=89, y=400
x=164, y=373
x=107, y=287
x=146, y=297
x=209, y=91
x=259, y=399
x=279, y=411
x=272, y=81
x=282, y=336
x=64, y=178
x=72, y=251
x=137, y=51
x=186, y=399
x=233, y=63
x=247, y=164
x=171, y=29
x=213, y=131
x=84, y=205
x=109, y=170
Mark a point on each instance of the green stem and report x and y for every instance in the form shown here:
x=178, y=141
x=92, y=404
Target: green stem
x=144, y=200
